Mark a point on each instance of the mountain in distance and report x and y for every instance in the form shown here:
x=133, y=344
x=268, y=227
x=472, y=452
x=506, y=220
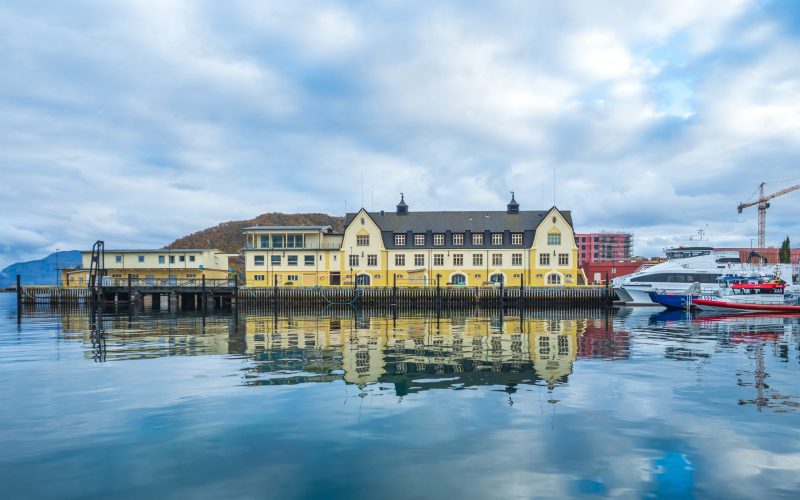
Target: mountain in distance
x=228, y=237
x=39, y=272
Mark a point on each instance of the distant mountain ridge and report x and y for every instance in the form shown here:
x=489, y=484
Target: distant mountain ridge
x=227, y=236
x=39, y=272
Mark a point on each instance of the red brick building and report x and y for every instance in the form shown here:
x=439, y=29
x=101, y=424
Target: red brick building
x=604, y=247
x=757, y=255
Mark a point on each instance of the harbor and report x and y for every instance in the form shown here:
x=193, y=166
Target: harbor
x=341, y=386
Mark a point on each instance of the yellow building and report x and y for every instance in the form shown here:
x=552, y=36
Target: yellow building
x=472, y=248
x=292, y=255
x=466, y=248
x=159, y=264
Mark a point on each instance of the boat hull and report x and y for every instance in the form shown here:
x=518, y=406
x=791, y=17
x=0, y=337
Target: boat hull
x=711, y=304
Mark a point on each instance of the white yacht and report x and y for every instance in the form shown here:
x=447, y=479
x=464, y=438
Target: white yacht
x=686, y=266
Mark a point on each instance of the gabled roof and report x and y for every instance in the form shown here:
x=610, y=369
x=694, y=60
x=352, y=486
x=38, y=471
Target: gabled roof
x=475, y=221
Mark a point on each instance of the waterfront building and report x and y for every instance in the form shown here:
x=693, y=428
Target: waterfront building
x=292, y=255
x=472, y=248
x=158, y=264
x=604, y=246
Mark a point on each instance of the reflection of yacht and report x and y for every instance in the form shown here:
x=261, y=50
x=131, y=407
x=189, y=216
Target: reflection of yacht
x=684, y=267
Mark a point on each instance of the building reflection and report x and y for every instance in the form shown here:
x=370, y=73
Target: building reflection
x=416, y=353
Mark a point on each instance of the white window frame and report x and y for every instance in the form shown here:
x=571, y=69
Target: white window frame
x=516, y=259
x=553, y=239
x=497, y=238
x=563, y=259
x=400, y=239
x=362, y=240
x=477, y=238
x=419, y=259
x=497, y=259
x=458, y=239
x=372, y=260
x=516, y=238
x=399, y=259
x=458, y=259
x=477, y=259
x=438, y=239
x=419, y=240
x=438, y=259
x=544, y=259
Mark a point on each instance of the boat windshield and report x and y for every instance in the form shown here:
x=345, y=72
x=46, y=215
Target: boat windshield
x=686, y=252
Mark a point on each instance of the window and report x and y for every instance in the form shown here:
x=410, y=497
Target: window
x=118, y=259
x=182, y=258
x=292, y=277
x=516, y=238
x=477, y=239
x=477, y=259
x=191, y=258
x=497, y=259
x=399, y=260
x=458, y=239
x=497, y=238
x=419, y=239
x=276, y=260
x=419, y=259
x=438, y=259
x=171, y=259
x=117, y=276
x=291, y=260
x=438, y=239
x=258, y=260
x=353, y=260
x=554, y=238
x=308, y=260
x=362, y=240
x=459, y=279
x=400, y=239
x=516, y=259
x=372, y=259
x=458, y=259
x=544, y=259
x=294, y=241
x=264, y=241
x=277, y=241
x=563, y=259
x=161, y=259
x=258, y=277
x=553, y=279
x=141, y=259
x=188, y=275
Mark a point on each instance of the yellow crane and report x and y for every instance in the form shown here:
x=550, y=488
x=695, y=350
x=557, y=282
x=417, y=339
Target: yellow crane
x=763, y=205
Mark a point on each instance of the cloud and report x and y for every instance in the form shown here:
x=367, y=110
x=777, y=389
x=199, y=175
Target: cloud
x=143, y=122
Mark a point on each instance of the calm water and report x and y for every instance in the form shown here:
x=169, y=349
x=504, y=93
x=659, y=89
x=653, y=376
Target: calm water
x=638, y=404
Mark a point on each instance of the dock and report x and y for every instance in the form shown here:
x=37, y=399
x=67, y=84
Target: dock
x=211, y=294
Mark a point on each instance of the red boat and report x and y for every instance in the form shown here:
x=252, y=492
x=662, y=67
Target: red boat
x=751, y=297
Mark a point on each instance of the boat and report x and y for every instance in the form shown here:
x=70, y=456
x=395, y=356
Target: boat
x=772, y=295
x=685, y=266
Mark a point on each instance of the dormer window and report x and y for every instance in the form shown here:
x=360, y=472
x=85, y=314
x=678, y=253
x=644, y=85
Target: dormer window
x=516, y=238
x=458, y=239
x=477, y=238
x=400, y=239
x=438, y=239
x=497, y=238
x=419, y=239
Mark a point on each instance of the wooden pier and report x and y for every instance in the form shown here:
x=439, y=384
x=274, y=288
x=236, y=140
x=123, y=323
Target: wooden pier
x=202, y=293
x=429, y=297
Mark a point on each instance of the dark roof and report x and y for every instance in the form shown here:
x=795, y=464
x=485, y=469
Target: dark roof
x=459, y=222
x=475, y=221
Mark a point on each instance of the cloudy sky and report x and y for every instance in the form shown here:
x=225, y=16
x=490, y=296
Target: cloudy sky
x=138, y=122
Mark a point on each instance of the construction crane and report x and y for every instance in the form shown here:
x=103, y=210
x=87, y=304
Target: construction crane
x=763, y=205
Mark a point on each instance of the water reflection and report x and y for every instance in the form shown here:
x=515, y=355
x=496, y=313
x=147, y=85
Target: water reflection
x=419, y=352
x=544, y=404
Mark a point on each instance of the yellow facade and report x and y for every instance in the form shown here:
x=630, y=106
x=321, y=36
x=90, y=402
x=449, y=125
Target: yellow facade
x=159, y=264
x=298, y=256
x=498, y=250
